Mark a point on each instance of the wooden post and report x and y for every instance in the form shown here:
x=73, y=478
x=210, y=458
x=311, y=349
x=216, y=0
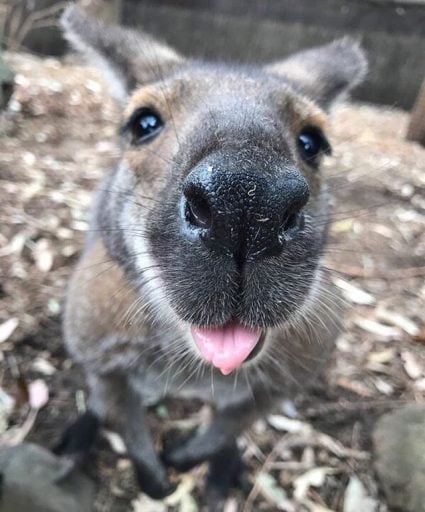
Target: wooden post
x=416, y=128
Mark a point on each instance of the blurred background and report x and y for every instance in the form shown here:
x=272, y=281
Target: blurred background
x=352, y=443
x=392, y=32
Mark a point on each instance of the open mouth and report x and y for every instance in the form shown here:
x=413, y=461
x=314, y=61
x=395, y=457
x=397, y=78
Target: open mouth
x=228, y=346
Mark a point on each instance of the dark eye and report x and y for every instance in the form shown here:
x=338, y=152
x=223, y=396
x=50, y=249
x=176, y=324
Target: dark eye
x=144, y=124
x=312, y=143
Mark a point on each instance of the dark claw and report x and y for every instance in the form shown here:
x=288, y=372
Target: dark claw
x=76, y=442
x=175, y=454
x=179, y=460
x=154, y=485
x=226, y=472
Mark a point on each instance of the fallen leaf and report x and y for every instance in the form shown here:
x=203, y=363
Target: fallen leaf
x=383, y=331
x=43, y=366
x=420, y=384
x=145, y=504
x=342, y=226
x=15, y=246
x=43, y=255
x=38, y=394
x=188, y=504
x=397, y=320
x=382, y=357
x=311, y=478
x=182, y=495
x=7, y=329
x=282, y=423
x=116, y=442
x=271, y=490
x=356, y=498
x=384, y=387
x=354, y=293
x=411, y=365
x=231, y=505
x=356, y=387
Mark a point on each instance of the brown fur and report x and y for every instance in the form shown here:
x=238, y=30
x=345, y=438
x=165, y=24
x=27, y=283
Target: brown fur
x=143, y=280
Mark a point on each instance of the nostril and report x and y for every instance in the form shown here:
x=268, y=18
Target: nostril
x=293, y=221
x=198, y=212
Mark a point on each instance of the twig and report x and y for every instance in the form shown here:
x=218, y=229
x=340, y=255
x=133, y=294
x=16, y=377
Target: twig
x=248, y=506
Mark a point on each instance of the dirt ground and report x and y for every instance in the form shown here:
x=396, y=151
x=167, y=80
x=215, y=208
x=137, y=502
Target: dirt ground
x=56, y=141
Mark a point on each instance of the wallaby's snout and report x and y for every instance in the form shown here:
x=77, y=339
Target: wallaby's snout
x=242, y=211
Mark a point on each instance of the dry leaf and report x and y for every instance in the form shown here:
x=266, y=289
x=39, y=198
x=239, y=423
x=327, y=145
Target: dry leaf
x=354, y=293
x=43, y=366
x=188, y=504
x=15, y=246
x=420, y=384
x=7, y=328
x=43, y=255
x=356, y=498
x=397, y=320
x=411, y=365
x=38, y=394
x=182, y=495
x=356, y=387
x=285, y=424
x=382, y=357
x=312, y=478
x=231, y=505
x=145, y=504
x=116, y=442
x=271, y=490
x=384, y=387
x=342, y=226
x=383, y=331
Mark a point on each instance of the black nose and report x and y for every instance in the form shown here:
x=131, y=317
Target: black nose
x=247, y=214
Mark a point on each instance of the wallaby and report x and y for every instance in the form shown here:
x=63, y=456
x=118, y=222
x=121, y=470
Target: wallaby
x=202, y=271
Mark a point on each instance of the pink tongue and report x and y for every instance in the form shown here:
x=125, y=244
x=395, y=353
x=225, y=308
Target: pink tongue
x=226, y=347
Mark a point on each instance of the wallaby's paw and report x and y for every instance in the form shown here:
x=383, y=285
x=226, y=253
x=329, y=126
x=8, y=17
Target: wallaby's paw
x=226, y=472
x=179, y=458
x=154, y=484
x=76, y=442
x=176, y=453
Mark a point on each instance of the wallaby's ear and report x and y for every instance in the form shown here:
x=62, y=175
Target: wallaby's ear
x=126, y=57
x=324, y=73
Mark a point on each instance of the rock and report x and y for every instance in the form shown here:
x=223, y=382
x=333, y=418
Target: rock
x=28, y=475
x=399, y=440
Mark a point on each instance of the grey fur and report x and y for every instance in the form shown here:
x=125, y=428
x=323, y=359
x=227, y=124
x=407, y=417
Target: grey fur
x=327, y=72
x=128, y=325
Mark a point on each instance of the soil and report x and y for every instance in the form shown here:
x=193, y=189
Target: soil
x=56, y=141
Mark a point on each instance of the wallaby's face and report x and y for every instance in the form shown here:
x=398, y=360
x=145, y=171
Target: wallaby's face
x=234, y=215
x=219, y=197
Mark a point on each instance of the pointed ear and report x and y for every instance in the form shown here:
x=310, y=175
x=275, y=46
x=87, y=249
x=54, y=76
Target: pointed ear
x=126, y=57
x=325, y=73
